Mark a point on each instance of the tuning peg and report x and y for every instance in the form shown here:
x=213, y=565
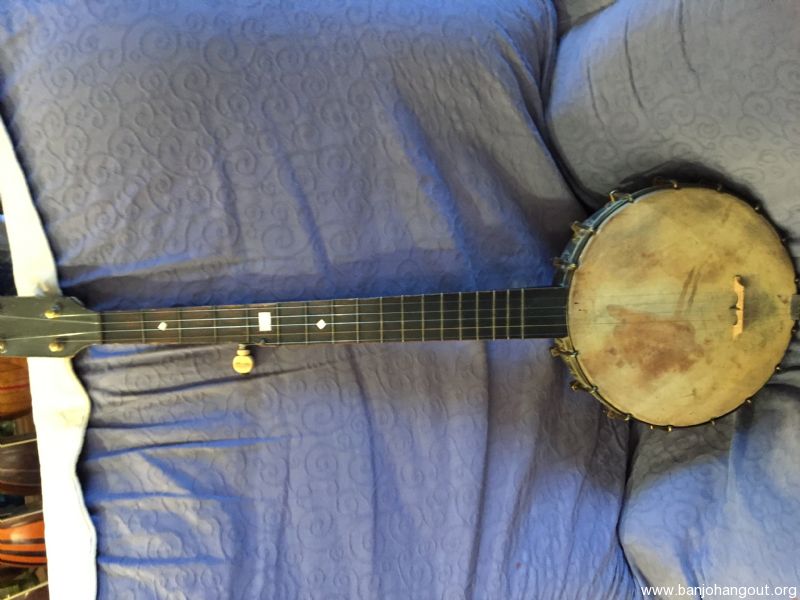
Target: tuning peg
x=242, y=362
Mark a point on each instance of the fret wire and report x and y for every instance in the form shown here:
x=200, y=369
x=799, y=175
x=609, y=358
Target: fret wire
x=380, y=304
x=214, y=316
x=277, y=324
x=358, y=333
x=333, y=334
x=422, y=319
x=494, y=315
x=305, y=306
x=477, y=312
x=460, y=318
x=522, y=313
x=402, y=320
x=508, y=308
x=180, y=325
x=141, y=318
x=441, y=316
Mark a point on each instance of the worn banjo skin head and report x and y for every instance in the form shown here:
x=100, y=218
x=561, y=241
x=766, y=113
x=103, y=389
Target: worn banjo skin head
x=651, y=314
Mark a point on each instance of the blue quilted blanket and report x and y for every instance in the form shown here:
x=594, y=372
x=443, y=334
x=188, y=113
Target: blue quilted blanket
x=185, y=153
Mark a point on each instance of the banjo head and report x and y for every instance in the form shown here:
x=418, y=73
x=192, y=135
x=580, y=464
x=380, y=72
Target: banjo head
x=655, y=280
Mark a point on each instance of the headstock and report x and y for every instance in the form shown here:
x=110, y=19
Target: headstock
x=49, y=326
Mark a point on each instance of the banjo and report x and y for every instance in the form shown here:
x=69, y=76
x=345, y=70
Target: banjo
x=672, y=305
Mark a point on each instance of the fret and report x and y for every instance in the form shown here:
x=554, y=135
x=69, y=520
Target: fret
x=441, y=317
x=380, y=317
x=319, y=321
x=143, y=326
x=431, y=317
x=251, y=322
x=469, y=314
x=305, y=322
x=230, y=323
x=180, y=325
x=160, y=326
x=508, y=321
x=514, y=314
x=494, y=315
x=214, y=323
x=522, y=313
x=346, y=320
x=254, y=323
x=460, y=318
x=369, y=321
x=392, y=319
x=477, y=313
x=499, y=309
x=195, y=325
x=413, y=321
x=485, y=318
x=451, y=316
x=333, y=321
x=358, y=329
x=292, y=325
x=422, y=316
x=402, y=320
x=120, y=328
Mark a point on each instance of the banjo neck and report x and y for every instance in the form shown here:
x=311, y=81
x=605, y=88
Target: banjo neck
x=484, y=315
x=63, y=327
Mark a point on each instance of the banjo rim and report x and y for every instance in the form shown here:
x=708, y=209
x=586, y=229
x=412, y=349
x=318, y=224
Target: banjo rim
x=569, y=261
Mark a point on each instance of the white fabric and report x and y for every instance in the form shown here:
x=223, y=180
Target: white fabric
x=60, y=404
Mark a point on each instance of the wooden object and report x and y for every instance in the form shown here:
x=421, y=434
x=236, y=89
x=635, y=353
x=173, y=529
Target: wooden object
x=19, y=465
x=22, y=537
x=15, y=394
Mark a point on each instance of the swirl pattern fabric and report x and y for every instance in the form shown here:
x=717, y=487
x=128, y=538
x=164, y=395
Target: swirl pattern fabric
x=679, y=85
x=187, y=153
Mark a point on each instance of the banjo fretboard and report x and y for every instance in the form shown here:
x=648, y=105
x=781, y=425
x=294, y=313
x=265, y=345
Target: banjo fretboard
x=486, y=315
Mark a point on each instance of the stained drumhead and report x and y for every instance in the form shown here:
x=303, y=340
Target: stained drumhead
x=650, y=306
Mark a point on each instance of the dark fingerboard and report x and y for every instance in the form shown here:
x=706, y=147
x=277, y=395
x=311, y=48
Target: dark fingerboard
x=483, y=315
